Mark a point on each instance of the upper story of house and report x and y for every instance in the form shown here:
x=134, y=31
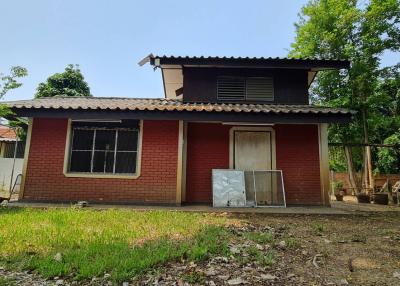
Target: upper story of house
x=240, y=80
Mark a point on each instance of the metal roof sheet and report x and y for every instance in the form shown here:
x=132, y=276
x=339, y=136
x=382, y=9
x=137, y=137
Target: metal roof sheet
x=164, y=104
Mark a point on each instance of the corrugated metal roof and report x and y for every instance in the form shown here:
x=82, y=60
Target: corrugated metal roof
x=317, y=63
x=163, y=104
x=244, y=58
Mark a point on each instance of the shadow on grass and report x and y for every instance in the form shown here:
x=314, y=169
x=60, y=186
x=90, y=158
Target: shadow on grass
x=123, y=261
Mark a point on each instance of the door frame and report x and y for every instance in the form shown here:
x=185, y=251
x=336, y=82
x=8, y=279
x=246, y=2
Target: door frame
x=251, y=128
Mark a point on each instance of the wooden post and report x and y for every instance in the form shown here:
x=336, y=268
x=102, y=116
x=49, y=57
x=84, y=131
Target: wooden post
x=324, y=163
x=179, y=165
x=26, y=157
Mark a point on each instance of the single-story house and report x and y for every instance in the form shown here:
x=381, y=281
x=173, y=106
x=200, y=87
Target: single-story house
x=218, y=113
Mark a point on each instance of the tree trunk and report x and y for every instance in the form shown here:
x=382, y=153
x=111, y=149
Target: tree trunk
x=350, y=169
x=369, y=179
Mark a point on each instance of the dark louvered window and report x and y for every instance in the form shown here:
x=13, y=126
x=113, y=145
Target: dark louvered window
x=231, y=88
x=245, y=89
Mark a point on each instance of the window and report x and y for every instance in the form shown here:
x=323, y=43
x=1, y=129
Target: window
x=104, y=148
x=245, y=89
x=9, y=149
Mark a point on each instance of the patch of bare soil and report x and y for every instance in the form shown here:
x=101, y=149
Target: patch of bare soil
x=297, y=250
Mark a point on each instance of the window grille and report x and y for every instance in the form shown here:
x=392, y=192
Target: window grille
x=104, y=150
x=9, y=149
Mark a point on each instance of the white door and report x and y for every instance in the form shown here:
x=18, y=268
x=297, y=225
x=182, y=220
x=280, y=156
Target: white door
x=252, y=152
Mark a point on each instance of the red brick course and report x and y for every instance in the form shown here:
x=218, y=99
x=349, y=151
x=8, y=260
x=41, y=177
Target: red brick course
x=45, y=180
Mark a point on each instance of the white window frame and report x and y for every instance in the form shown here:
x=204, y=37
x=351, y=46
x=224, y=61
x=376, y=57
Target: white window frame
x=68, y=152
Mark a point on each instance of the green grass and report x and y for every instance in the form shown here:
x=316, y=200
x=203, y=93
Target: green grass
x=123, y=243
x=194, y=278
x=317, y=227
x=7, y=282
x=260, y=237
x=292, y=242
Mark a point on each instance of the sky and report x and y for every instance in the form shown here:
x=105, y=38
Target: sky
x=108, y=38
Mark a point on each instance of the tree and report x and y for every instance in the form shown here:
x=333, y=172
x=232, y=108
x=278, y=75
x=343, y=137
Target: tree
x=68, y=83
x=361, y=32
x=9, y=82
x=389, y=158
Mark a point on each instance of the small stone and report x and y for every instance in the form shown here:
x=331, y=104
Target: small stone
x=268, y=277
x=327, y=241
x=259, y=247
x=237, y=281
x=343, y=282
x=125, y=283
x=223, y=277
x=282, y=244
x=304, y=252
x=59, y=282
x=211, y=272
x=58, y=257
x=210, y=283
x=234, y=250
x=221, y=259
x=107, y=276
x=396, y=274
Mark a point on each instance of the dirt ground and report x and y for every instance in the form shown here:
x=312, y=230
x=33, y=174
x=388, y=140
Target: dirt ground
x=361, y=249
x=265, y=249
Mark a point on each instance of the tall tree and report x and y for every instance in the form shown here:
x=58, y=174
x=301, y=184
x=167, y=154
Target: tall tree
x=361, y=32
x=68, y=83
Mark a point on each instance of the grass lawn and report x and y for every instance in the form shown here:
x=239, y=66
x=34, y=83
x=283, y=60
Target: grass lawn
x=122, y=243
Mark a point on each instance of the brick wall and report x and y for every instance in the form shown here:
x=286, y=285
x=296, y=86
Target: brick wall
x=45, y=180
x=207, y=149
x=297, y=154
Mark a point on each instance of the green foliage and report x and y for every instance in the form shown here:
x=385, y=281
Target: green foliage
x=9, y=82
x=68, y=83
x=389, y=158
x=338, y=185
x=361, y=32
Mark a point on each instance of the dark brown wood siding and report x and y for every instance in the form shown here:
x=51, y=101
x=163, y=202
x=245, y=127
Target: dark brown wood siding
x=200, y=84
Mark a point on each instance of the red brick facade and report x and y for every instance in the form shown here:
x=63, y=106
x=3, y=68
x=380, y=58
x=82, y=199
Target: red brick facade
x=45, y=180
x=207, y=149
x=297, y=155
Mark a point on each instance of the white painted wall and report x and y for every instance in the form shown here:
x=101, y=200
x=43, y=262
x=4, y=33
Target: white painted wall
x=6, y=165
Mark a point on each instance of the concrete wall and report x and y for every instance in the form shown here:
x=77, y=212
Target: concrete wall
x=6, y=165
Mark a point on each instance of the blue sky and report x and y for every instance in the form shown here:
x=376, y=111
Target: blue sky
x=108, y=38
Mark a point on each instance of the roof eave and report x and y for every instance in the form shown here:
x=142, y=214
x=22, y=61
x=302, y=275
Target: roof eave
x=312, y=64
x=215, y=116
